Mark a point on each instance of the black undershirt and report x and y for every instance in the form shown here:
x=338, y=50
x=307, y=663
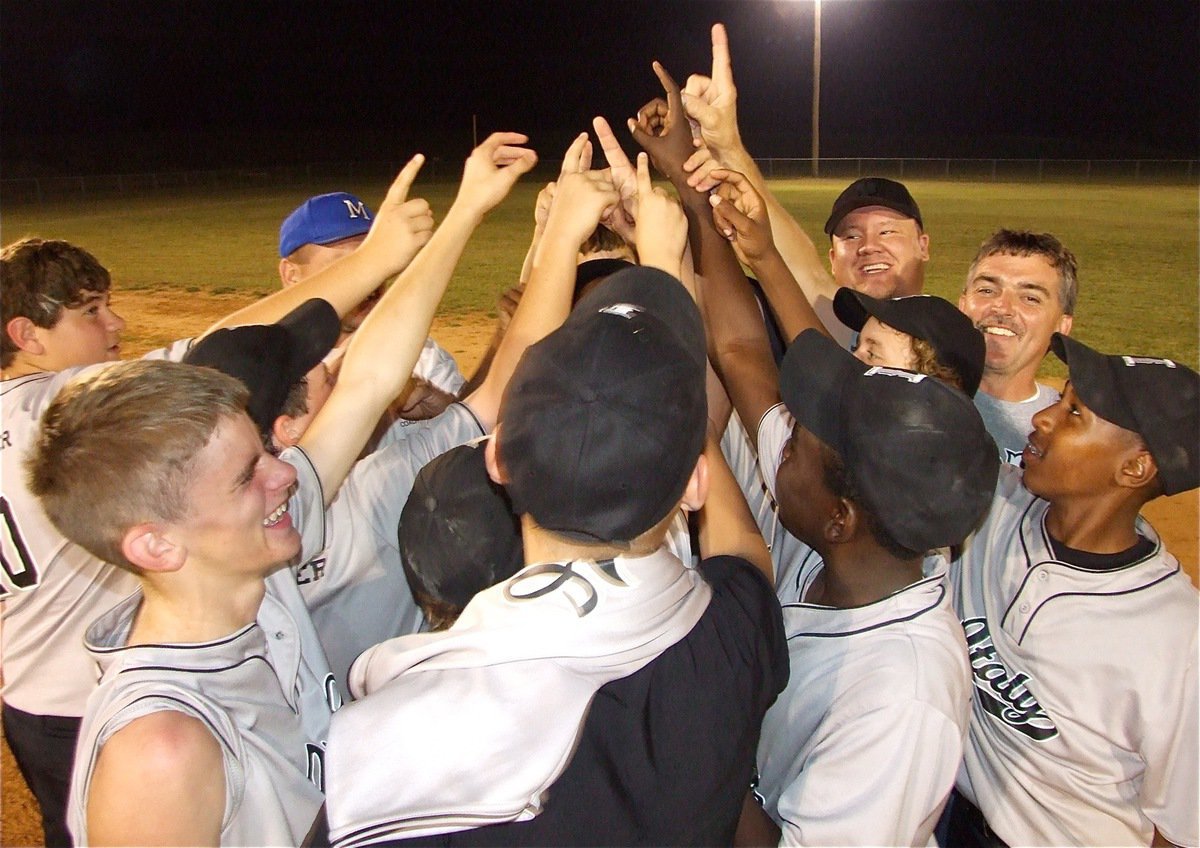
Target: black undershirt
x=1141, y=549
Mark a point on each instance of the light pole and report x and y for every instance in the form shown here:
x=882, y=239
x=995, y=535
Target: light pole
x=816, y=98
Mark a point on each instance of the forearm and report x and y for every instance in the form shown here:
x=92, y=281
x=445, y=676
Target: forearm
x=384, y=350
x=726, y=524
x=344, y=284
x=792, y=309
x=544, y=306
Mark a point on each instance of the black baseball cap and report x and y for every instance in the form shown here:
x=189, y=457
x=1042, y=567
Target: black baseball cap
x=873, y=191
x=604, y=419
x=458, y=533
x=1159, y=399
x=914, y=448
x=270, y=358
x=954, y=338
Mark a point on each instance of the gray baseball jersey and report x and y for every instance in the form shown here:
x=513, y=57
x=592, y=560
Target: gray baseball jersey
x=435, y=365
x=1010, y=422
x=265, y=692
x=863, y=745
x=50, y=589
x=355, y=587
x=1084, y=720
x=755, y=473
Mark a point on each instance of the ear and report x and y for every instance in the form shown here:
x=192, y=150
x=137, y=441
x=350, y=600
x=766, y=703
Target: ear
x=1065, y=323
x=285, y=432
x=24, y=334
x=842, y=524
x=831, y=254
x=696, y=491
x=1137, y=470
x=923, y=241
x=492, y=461
x=149, y=547
x=289, y=272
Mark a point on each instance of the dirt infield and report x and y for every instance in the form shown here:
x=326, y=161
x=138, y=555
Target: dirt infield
x=466, y=337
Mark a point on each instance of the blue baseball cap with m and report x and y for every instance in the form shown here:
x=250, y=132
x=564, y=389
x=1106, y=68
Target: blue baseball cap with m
x=324, y=219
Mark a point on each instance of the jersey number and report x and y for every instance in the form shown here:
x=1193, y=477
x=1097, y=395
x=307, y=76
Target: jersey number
x=19, y=569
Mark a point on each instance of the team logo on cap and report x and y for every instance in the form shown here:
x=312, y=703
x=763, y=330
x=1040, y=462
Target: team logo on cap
x=357, y=210
x=880, y=370
x=624, y=310
x=1146, y=360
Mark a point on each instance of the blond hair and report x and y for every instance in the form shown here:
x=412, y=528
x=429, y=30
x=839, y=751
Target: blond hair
x=117, y=445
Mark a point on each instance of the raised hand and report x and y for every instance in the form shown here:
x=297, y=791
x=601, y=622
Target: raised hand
x=402, y=226
x=541, y=208
x=582, y=196
x=712, y=101
x=662, y=227
x=493, y=168
x=623, y=219
x=662, y=129
x=740, y=215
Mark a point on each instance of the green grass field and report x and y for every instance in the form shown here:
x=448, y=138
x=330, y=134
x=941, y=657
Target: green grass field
x=1137, y=245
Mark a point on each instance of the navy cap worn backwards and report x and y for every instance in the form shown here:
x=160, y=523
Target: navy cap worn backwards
x=954, y=339
x=458, y=533
x=873, y=191
x=1159, y=399
x=324, y=219
x=604, y=419
x=270, y=358
x=914, y=448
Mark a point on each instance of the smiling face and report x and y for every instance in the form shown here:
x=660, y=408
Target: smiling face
x=237, y=518
x=880, y=252
x=1016, y=302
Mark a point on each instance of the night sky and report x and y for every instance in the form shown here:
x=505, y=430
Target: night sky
x=94, y=86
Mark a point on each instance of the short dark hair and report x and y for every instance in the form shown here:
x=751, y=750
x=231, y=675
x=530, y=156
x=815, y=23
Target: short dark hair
x=1026, y=243
x=41, y=277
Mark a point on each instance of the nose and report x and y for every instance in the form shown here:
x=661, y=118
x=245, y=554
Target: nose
x=1043, y=419
x=115, y=322
x=868, y=243
x=281, y=475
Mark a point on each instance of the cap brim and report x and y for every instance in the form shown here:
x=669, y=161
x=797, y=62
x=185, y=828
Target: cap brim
x=851, y=308
x=811, y=380
x=312, y=328
x=1092, y=378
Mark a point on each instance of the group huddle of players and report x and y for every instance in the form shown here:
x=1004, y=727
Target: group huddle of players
x=721, y=544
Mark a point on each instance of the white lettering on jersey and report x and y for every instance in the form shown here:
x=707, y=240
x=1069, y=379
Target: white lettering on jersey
x=1005, y=695
x=883, y=371
x=315, y=755
x=624, y=310
x=1146, y=360
x=357, y=210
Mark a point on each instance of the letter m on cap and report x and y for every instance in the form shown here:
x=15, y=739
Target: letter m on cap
x=357, y=210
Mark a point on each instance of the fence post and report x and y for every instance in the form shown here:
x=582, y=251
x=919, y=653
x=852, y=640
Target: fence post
x=947, y=167
x=901, y=167
x=1087, y=171
x=1137, y=169
x=1040, y=163
x=993, y=170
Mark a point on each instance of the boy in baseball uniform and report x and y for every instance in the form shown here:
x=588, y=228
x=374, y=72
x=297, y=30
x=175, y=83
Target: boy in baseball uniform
x=881, y=469
x=209, y=723
x=58, y=321
x=1081, y=627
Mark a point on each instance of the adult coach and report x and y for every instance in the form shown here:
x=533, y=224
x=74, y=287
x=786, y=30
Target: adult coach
x=1020, y=290
x=878, y=244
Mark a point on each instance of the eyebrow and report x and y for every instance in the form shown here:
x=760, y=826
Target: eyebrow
x=1019, y=284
